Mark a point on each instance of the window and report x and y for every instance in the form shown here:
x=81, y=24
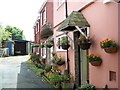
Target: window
x=59, y=48
x=43, y=17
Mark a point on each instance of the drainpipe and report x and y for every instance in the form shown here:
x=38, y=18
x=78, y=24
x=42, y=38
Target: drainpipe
x=66, y=11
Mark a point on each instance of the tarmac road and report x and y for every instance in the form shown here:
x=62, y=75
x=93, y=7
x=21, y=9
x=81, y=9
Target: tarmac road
x=15, y=74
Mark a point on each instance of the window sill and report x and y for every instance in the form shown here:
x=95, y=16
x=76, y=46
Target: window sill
x=61, y=50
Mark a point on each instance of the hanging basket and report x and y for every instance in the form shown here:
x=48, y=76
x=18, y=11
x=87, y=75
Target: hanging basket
x=49, y=46
x=60, y=63
x=96, y=63
x=85, y=46
x=110, y=50
x=65, y=47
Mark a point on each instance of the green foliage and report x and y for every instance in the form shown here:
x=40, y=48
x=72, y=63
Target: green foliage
x=83, y=39
x=38, y=72
x=49, y=43
x=64, y=40
x=106, y=43
x=17, y=34
x=66, y=76
x=4, y=35
x=35, y=45
x=54, y=78
x=42, y=45
x=55, y=70
x=86, y=87
x=48, y=68
x=92, y=58
x=35, y=57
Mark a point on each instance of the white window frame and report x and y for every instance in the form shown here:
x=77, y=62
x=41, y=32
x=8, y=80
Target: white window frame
x=43, y=17
x=57, y=49
x=44, y=51
x=60, y=2
x=40, y=18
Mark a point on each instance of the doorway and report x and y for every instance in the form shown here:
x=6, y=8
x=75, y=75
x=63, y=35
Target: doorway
x=81, y=63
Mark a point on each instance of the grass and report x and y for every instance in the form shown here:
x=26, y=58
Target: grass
x=37, y=71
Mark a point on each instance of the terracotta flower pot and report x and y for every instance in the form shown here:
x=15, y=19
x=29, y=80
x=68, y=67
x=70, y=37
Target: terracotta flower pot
x=85, y=46
x=96, y=63
x=110, y=50
x=65, y=47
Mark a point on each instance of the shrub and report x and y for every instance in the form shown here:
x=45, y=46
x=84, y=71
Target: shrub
x=35, y=57
x=55, y=79
x=86, y=87
x=48, y=68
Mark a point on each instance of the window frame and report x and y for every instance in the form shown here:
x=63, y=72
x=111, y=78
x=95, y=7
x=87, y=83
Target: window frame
x=59, y=49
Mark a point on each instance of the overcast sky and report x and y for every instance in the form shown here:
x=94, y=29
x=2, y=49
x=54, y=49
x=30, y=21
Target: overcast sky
x=21, y=14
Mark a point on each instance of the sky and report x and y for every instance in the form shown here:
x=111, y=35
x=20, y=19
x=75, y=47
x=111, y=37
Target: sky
x=21, y=14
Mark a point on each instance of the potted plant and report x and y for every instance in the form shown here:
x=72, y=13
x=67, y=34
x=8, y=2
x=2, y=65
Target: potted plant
x=108, y=45
x=36, y=45
x=42, y=45
x=61, y=61
x=49, y=43
x=58, y=60
x=94, y=60
x=64, y=43
x=84, y=42
x=86, y=86
x=43, y=60
x=48, y=68
x=53, y=54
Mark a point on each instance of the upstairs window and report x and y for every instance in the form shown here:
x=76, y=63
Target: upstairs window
x=43, y=17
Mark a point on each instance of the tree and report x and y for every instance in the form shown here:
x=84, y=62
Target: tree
x=4, y=35
x=17, y=34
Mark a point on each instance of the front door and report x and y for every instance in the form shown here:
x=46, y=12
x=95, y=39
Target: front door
x=81, y=64
x=84, y=66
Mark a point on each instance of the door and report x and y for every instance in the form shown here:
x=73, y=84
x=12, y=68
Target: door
x=10, y=48
x=81, y=64
x=84, y=62
x=84, y=66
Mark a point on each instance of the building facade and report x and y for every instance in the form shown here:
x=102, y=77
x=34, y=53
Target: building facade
x=102, y=17
x=43, y=23
x=101, y=20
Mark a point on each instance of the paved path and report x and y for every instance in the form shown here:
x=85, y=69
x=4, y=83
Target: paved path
x=15, y=74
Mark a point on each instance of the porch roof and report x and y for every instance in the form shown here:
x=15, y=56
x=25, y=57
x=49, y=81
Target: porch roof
x=47, y=31
x=74, y=19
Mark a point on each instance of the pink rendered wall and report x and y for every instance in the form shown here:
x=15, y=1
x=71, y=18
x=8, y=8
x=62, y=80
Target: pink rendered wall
x=59, y=11
x=64, y=54
x=119, y=44
x=59, y=16
x=103, y=20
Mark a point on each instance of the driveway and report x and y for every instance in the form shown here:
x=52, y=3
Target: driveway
x=15, y=74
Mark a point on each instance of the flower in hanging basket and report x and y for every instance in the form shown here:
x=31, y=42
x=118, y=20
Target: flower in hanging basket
x=36, y=45
x=84, y=42
x=42, y=45
x=53, y=54
x=58, y=60
x=109, y=46
x=64, y=42
x=94, y=60
x=49, y=44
